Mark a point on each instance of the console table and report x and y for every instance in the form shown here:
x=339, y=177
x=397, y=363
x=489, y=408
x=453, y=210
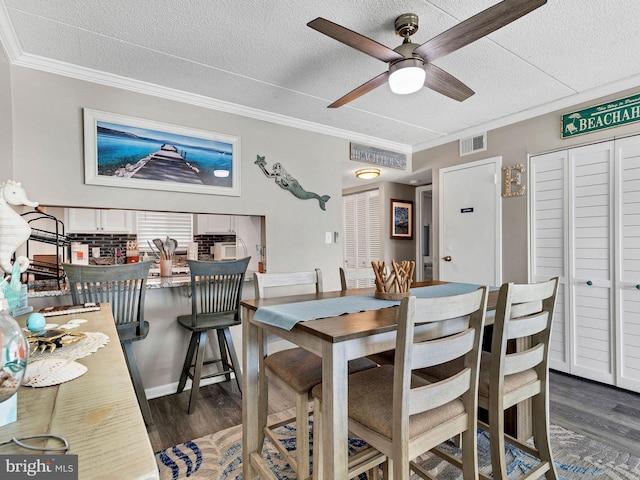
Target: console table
x=97, y=413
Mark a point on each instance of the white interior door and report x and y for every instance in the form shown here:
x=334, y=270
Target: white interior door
x=549, y=243
x=627, y=160
x=470, y=223
x=591, y=247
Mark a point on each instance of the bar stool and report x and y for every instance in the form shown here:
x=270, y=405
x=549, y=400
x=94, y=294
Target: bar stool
x=123, y=287
x=401, y=415
x=296, y=371
x=216, y=291
x=524, y=314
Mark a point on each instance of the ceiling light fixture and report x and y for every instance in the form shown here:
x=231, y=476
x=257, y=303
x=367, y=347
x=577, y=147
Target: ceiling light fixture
x=368, y=173
x=407, y=76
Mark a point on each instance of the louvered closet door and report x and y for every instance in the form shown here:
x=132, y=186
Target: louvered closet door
x=591, y=245
x=549, y=242
x=349, y=218
x=362, y=240
x=628, y=263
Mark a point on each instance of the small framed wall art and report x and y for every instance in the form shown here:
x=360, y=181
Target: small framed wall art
x=401, y=219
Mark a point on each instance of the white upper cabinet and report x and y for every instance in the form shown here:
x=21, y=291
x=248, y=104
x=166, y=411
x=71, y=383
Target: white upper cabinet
x=221, y=224
x=88, y=220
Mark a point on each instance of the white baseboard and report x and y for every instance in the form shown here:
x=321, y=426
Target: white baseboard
x=170, y=388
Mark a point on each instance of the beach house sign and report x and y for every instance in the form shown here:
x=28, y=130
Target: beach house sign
x=607, y=115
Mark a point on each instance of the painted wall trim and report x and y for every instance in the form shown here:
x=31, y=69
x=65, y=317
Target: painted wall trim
x=73, y=71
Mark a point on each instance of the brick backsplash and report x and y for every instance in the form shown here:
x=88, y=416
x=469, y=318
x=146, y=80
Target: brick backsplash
x=205, y=242
x=109, y=242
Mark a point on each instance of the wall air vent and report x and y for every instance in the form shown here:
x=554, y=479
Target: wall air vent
x=477, y=143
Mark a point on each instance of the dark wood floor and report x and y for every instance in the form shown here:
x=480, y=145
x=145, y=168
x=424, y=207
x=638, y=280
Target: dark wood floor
x=606, y=414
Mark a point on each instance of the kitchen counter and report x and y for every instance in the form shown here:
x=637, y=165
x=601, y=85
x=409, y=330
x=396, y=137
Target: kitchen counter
x=160, y=356
x=153, y=282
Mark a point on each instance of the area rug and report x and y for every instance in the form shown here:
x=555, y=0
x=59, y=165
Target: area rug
x=219, y=457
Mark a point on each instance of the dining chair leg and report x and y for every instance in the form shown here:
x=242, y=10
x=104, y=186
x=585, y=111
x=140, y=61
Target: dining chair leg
x=497, y=444
x=541, y=437
x=263, y=388
x=317, y=439
x=235, y=363
x=302, y=435
x=222, y=347
x=469, y=441
x=197, y=370
x=136, y=379
x=188, y=361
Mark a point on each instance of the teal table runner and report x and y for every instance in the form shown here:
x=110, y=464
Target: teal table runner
x=287, y=315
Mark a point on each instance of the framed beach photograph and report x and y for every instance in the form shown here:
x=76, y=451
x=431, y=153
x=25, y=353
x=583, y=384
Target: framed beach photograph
x=122, y=151
x=401, y=219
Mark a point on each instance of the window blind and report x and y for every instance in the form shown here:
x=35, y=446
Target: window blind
x=178, y=226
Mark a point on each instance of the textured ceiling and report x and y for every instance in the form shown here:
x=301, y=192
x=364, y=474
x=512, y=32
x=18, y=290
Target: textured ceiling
x=260, y=59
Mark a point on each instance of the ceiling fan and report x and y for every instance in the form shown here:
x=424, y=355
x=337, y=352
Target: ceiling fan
x=411, y=65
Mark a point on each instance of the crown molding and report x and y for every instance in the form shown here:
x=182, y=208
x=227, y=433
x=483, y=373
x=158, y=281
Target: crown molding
x=81, y=73
x=565, y=103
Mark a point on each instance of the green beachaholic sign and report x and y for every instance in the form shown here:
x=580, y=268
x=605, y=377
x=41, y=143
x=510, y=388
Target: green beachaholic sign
x=610, y=114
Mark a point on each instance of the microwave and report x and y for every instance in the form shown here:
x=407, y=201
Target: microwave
x=224, y=251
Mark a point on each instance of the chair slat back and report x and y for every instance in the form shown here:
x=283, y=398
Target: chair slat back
x=122, y=286
x=351, y=277
x=414, y=353
x=216, y=287
x=523, y=312
x=264, y=281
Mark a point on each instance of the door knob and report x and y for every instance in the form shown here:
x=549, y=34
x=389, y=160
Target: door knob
x=447, y=258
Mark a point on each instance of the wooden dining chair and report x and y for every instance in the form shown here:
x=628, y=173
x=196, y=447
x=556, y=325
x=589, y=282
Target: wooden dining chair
x=402, y=415
x=124, y=288
x=524, y=315
x=294, y=370
x=356, y=278
x=216, y=291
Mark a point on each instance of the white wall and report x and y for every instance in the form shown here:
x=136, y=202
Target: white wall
x=515, y=143
x=6, y=163
x=48, y=160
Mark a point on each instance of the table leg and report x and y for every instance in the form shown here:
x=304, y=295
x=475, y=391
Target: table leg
x=334, y=410
x=250, y=394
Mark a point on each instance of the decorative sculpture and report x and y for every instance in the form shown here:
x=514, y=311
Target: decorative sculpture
x=287, y=182
x=396, y=284
x=14, y=229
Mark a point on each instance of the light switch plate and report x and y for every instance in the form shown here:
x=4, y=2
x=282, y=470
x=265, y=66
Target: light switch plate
x=328, y=237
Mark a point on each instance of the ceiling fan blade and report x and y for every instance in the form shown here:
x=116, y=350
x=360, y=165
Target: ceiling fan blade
x=446, y=84
x=354, y=40
x=476, y=27
x=361, y=90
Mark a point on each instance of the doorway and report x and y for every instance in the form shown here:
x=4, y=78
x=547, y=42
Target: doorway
x=424, y=233
x=470, y=223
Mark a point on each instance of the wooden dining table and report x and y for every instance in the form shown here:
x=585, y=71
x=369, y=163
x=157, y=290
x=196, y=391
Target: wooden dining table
x=97, y=413
x=337, y=339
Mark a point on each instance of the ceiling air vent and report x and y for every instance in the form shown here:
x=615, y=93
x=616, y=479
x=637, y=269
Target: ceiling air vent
x=477, y=143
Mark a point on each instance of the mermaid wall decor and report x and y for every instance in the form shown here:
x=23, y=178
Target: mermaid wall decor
x=14, y=229
x=287, y=182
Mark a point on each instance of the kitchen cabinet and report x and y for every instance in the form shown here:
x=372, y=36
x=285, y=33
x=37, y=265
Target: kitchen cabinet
x=208, y=224
x=88, y=220
x=585, y=222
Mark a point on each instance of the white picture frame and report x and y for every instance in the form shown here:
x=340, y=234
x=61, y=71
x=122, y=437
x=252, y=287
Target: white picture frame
x=130, y=152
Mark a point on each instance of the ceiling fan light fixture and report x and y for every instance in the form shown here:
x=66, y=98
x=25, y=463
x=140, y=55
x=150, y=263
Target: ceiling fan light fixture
x=407, y=76
x=368, y=173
